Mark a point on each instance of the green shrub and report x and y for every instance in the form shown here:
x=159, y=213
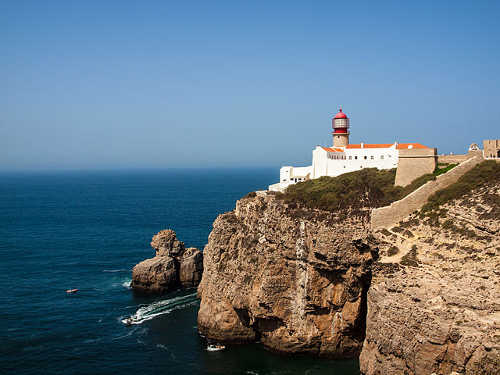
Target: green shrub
x=385, y=232
x=410, y=259
x=393, y=250
x=252, y=194
x=446, y=168
x=483, y=173
x=408, y=234
x=366, y=188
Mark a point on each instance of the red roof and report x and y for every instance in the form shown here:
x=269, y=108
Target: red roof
x=340, y=114
x=399, y=146
x=331, y=149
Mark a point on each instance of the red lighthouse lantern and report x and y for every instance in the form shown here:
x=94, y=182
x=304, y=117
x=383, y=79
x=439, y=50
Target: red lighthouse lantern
x=340, y=125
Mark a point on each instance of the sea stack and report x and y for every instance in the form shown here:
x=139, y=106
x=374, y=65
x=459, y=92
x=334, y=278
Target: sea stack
x=172, y=267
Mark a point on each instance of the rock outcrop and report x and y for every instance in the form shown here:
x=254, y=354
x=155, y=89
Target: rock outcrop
x=173, y=266
x=294, y=279
x=434, y=301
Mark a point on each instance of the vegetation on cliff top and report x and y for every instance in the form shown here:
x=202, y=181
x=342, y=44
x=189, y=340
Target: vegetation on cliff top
x=485, y=173
x=476, y=181
x=366, y=188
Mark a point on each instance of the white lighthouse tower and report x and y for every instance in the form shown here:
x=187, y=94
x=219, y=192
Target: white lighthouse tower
x=340, y=125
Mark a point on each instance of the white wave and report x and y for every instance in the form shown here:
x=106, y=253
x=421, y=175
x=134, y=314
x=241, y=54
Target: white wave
x=125, y=335
x=113, y=271
x=126, y=283
x=158, y=308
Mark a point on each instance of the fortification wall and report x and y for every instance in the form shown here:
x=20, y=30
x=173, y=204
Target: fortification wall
x=457, y=159
x=453, y=159
x=388, y=216
x=413, y=163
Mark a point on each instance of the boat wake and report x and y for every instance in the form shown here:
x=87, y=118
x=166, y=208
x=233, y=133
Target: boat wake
x=127, y=283
x=158, y=308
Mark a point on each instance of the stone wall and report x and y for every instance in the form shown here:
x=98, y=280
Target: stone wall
x=388, y=216
x=413, y=163
x=457, y=159
x=453, y=159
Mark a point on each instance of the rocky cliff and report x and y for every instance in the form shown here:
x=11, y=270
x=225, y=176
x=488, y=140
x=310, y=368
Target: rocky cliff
x=422, y=297
x=294, y=279
x=173, y=266
x=434, y=301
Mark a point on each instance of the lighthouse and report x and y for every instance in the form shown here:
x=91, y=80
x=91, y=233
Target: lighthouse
x=340, y=125
x=411, y=159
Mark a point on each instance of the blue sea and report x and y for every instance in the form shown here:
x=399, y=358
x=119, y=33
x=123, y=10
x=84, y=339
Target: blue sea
x=87, y=230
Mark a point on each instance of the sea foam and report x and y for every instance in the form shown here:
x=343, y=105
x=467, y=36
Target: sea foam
x=158, y=308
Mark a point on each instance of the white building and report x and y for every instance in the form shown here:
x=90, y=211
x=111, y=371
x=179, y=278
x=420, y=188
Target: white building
x=343, y=157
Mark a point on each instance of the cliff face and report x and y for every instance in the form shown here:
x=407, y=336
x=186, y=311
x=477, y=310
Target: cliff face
x=173, y=266
x=434, y=301
x=294, y=279
x=422, y=297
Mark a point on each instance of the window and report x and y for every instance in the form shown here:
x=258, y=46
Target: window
x=381, y=156
x=372, y=157
x=356, y=158
x=366, y=157
x=350, y=157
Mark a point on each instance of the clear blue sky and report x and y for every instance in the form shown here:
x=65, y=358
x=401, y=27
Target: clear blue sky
x=132, y=84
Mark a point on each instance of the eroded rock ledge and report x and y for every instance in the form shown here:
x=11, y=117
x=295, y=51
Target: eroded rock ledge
x=172, y=267
x=295, y=280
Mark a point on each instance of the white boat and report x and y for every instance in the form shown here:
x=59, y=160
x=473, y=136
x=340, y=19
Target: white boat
x=128, y=321
x=215, y=347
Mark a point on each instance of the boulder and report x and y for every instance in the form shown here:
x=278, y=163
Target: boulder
x=156, y=275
